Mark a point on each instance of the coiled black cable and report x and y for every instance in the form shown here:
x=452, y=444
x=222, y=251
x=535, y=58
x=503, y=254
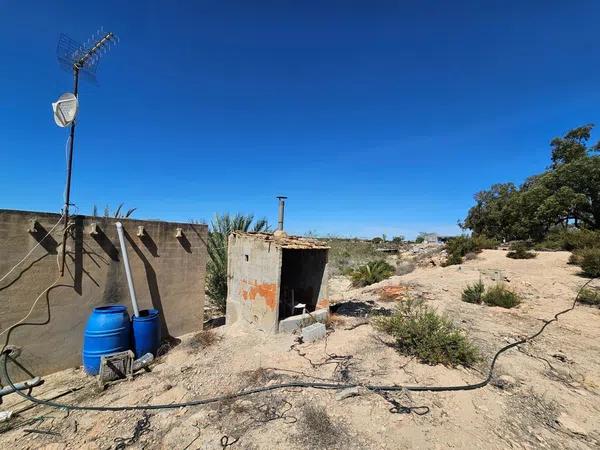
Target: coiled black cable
x=300, y=384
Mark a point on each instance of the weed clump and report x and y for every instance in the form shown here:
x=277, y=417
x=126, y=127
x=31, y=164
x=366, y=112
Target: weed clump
x=420, y=331
x=500, y=295
x=590, y=296
x=372, y=272
x=473, y=293
x=520, y=250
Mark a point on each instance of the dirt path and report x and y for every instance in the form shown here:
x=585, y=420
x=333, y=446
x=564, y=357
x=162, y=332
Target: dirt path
x=545, y=395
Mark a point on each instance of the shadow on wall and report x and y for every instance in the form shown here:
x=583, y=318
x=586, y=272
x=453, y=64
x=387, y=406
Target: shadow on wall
x=48, y=243
x=151, y=279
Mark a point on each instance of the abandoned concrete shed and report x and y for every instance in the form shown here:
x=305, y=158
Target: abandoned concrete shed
x=269, y=276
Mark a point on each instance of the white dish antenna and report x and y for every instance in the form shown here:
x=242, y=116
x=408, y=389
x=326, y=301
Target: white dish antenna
x=65, y=109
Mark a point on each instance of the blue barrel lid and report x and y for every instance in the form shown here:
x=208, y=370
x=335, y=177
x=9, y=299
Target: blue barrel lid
x=147, y=314
x=110, y=309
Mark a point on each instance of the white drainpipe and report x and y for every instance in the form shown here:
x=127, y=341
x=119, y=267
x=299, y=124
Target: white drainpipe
x=127, y=269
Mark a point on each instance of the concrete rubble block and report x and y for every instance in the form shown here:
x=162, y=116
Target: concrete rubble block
x=347, y=393
x=293, y=323
x=314, y=332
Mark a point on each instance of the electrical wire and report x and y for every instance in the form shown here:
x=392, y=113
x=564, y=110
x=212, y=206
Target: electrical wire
x=34, y=247
x=16, y=324
x=32, y=307
x=298, y=384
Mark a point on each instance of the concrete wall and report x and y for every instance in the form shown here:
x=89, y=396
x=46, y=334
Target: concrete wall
x=169, y=275
x=253, y=283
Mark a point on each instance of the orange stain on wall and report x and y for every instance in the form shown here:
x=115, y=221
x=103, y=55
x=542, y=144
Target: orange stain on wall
x=268, y=291
x=323, y=304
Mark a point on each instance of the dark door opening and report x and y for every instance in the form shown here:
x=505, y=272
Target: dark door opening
x=301, y=277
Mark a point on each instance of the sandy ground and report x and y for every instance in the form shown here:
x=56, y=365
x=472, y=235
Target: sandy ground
x=546, y=394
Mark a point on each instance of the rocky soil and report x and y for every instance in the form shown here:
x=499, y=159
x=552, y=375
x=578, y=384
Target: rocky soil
x=545, y=394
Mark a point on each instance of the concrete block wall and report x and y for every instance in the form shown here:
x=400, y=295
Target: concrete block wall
x=253, y=283
x=169, y=275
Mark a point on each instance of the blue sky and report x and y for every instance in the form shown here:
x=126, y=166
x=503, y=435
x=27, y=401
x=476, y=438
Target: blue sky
x=373, y=117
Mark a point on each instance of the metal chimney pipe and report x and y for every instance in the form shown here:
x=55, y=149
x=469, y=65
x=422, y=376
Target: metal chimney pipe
x=281, y=210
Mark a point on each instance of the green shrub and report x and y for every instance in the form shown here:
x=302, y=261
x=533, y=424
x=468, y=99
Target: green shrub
x=344, y=254
x=460, y=246
x=590, y=296
x=570, y=239
x=372, y=272
x=483, y=242
x=520, y=250
x=500, y=295
x=419, y=331
x=589, y=260
x=575, y=258
x=473, y=293
x=452, y=259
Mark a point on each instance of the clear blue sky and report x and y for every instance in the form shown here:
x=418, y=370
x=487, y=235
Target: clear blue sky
x=373, y=117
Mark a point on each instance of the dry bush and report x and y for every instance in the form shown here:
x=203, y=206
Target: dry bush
x=334, y=320
x=203, y=339
x=405, y=267
x=470, y=256
x=255, y=377
x=318, y=430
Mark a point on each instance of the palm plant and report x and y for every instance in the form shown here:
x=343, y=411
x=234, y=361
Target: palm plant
x=220, y=228
x=372, y=272
x=117, y=214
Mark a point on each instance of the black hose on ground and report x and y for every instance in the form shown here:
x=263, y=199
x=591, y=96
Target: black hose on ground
x=299, y=384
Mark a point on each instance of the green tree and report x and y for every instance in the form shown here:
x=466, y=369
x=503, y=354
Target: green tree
x=566, y=194
x=571, y=146
x=220, y=228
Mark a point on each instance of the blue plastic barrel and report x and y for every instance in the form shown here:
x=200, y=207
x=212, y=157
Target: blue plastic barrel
x=108, y=330
x=146, y=332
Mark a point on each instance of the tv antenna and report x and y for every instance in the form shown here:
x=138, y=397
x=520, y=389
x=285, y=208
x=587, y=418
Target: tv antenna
x=81, y=59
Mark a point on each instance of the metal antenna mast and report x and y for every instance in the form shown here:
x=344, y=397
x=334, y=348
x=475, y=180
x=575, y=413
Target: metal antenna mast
x=81, y=59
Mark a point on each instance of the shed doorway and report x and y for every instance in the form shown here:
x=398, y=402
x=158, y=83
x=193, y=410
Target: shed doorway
x=302, y=272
